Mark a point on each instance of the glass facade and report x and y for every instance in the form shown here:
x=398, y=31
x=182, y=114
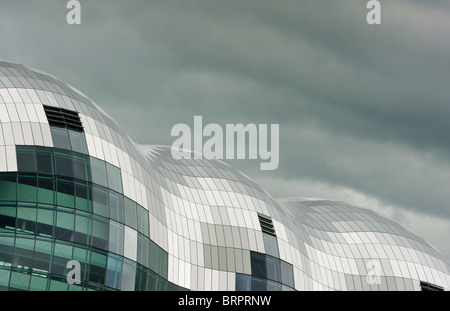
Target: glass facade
x=74, y=186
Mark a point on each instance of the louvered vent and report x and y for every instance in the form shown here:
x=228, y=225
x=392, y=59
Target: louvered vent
x=63, y=118
x=266, y=224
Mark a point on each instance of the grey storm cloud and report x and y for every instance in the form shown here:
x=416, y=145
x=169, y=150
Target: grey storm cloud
x=365, y=107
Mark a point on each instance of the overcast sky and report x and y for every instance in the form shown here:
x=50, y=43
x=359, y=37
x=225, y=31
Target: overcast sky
x=364, y=110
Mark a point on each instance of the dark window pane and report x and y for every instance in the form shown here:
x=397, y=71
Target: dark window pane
x=83, y=196
x=65, y=193
x=8, y=215
x=60, y=137
x=44, y=158
x=8, y=187
x=65, y=220
x=63, y=163
x=46, y=190
x=81, y=167
x=142, y=249
x=243, y=282
x=97, y=269
x=116, y=237
x=98, y=168
x=26, y=159
x=62, y=253
x=273, y=286
x=23, y=253
x=259, y=284
x=141, y=279
x=78, y=141
x=130, y=213
x=114, y=178
x=258, y=263
x=26, y=219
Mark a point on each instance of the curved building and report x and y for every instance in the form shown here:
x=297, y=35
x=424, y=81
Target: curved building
x=75, y=188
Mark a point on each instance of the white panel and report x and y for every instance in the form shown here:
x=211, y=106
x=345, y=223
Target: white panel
x=37, y=134
x=13, y=115
x=23, y=115
x=31, y=112
x=3, y=163
x=47, y=135
x=15, y=95
x=33, y=96
x=41, y=113
x=27, y=134
x=2, y=140
x=8, y=133
x=24, y=95
x=5, y=95
x=4, y=116
x=11, y=159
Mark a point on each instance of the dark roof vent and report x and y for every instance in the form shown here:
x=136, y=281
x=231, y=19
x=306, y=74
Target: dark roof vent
x=428, y=287
x=266, y=224
x=61, y=117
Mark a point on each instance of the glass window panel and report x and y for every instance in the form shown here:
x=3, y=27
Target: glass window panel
x=42, y=256
x=114, y=178
x=97, y=269
x=273, y=267
x=62, y=253
x=142, y=249
x=81, y=167
x=128, y=275
x=38, y=283
x=65, y=220
x=4, y=278
x=243, y=282
x=258, y=263
x=98, y=169
x=141, y=279
x=116, y=237
x=63, y=163
x=23, y=253
x=82, y=255
x=26, y=159
x=116, y=209
x=65, y=193
x=114, y=271
x=60, y=137
x=58, y=284
x=46, y=190
x=78, y=141
x=143, y=225
x=273, y=286
x=83, y=196
x=26, y=219
x=27, y=188
x=83, y=228
x=8, y=213
x=8, y=187
x=259, y=284
x=100, y=232
x=287, y=274
x=130, y=213
x=46, y=220
x=44, y=158
x=19, y=281
x=271, y=245
x=100, y=200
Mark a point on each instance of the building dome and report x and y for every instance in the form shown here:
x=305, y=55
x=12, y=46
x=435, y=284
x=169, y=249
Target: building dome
x=75, y=187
